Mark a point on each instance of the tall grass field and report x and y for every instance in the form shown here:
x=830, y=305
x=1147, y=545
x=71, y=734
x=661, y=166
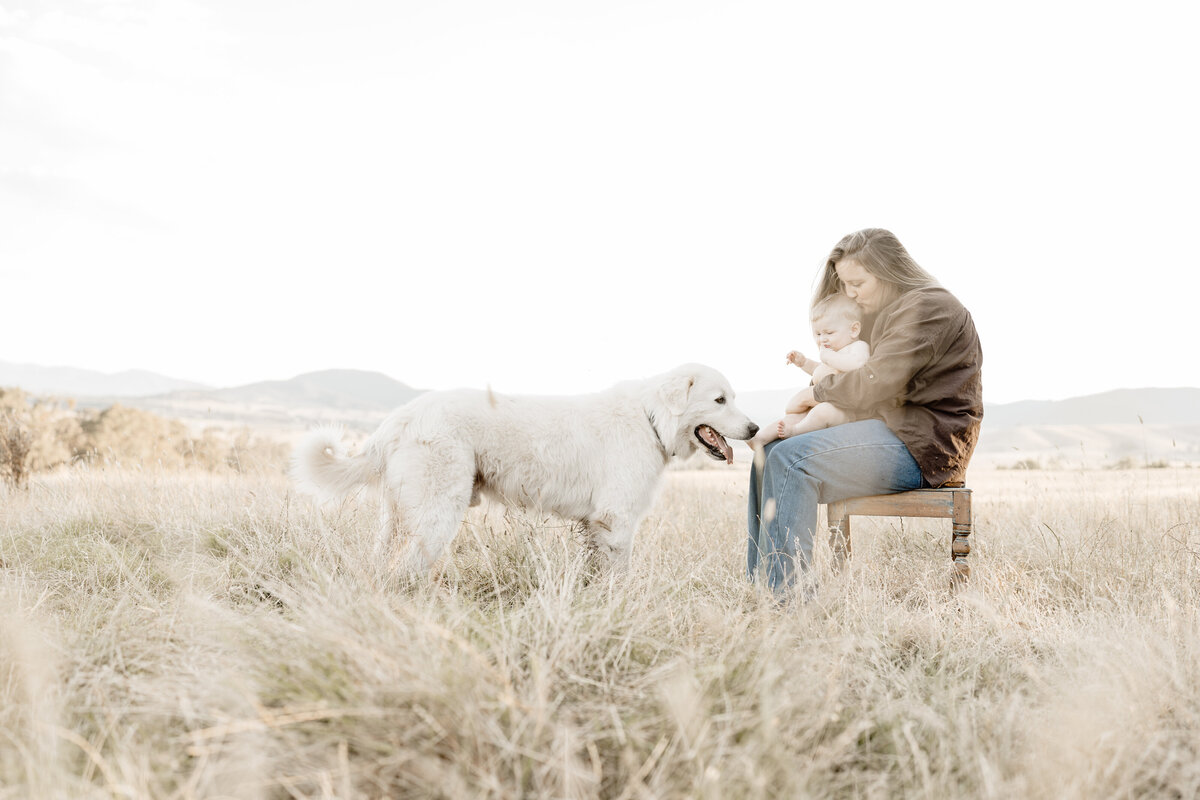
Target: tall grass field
x=166, y=635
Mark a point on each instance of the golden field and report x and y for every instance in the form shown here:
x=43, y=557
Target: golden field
x=176, y=635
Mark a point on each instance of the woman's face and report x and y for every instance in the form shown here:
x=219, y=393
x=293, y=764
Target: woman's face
x=861, y=286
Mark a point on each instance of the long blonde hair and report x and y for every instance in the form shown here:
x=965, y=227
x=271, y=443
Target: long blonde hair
x=881, y=254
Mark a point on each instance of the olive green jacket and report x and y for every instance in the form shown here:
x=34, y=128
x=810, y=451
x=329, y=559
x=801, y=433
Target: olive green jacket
x=922, y=379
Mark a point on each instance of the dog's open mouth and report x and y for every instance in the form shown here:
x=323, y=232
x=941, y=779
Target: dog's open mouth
x=717, y=447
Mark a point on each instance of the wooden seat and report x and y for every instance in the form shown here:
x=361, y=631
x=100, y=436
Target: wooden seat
x=950, y=502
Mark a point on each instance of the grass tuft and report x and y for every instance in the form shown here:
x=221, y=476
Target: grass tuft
x=210, y=636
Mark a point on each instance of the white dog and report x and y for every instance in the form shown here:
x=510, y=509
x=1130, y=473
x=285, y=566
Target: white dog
x=593, y=458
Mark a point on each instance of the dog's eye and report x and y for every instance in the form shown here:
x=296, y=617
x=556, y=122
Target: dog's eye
x=721, y=401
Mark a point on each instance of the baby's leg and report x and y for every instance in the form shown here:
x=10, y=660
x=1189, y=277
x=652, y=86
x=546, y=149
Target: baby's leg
x=766, y=434
x=788, y=422
x=799, y=403
x=822, y=415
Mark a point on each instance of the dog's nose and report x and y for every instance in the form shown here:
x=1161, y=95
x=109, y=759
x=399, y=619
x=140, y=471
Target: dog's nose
x=753, y=430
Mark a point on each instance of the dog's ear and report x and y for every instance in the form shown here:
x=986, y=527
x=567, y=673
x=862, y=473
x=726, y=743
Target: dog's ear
x=674, y=393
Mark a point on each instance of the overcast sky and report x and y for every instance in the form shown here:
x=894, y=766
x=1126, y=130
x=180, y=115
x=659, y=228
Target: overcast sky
x=553, y=196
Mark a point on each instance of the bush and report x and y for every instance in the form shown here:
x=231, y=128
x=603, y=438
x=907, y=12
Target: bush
x=15, y=444
x=40, y=434
x=37, y=434
x=122, y=435
x=1128, y=462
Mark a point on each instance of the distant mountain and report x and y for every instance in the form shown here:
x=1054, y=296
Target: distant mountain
x=356, y=399
x=1139, y=424
x=1118, y=407
x=1144, y=425
x=72, y=382
x=333, y=388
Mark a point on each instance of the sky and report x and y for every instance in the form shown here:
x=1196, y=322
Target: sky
x=554, y=196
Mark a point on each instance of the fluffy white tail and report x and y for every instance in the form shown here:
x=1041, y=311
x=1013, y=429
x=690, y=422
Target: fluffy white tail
x=322, y=468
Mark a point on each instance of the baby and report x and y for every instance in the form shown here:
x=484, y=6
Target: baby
x=837, y=324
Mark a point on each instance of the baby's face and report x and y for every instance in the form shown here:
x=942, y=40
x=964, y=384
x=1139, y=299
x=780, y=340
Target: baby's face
x=834, y=331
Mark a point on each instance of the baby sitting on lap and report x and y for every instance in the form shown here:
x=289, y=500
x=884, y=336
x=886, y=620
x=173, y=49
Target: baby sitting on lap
x=837, y=324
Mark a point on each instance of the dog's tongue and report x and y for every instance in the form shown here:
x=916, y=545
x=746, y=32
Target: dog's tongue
x=717, y=441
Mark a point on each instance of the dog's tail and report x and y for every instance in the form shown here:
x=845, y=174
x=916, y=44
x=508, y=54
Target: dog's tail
x=321, y=467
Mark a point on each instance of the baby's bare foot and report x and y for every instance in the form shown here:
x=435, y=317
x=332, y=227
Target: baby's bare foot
x=786, y=430
x=764, y=437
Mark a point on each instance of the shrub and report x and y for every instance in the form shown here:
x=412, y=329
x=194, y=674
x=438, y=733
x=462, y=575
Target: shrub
x=15, y=444
x=123, y=435
x=39, y=434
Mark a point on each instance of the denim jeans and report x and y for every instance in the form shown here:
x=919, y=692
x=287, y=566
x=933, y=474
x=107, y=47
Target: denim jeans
x=795, y=475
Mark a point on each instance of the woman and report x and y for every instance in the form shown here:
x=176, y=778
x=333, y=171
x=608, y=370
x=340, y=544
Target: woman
x=918, y=399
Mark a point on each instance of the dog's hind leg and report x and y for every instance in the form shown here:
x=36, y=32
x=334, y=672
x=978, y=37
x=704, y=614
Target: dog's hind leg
x=428, y=491
x=612, y=536
x=391, y=528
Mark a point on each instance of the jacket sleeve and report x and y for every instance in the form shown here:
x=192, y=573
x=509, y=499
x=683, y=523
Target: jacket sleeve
x=900, y=349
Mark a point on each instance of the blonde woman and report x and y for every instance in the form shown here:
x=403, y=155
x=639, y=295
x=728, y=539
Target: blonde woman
x=918, y=399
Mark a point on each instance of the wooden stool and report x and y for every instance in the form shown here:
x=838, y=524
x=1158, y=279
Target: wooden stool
x=950, y=502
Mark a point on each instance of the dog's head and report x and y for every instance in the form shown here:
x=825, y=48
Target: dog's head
x=691, y=408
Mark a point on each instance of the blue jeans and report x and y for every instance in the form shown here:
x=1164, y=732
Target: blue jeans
x=796, y=475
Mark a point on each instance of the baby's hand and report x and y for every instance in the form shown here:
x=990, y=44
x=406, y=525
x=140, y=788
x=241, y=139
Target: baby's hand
x=797, y=358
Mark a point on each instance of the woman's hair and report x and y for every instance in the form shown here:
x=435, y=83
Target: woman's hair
x=838, y=305
x=881, y=254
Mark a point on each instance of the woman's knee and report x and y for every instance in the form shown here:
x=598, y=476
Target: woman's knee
x=783, y=455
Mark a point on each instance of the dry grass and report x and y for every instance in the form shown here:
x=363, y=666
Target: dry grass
x=212, y=636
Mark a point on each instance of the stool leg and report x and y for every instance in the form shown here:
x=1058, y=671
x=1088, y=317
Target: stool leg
x=839, y=533
x=960, y=545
